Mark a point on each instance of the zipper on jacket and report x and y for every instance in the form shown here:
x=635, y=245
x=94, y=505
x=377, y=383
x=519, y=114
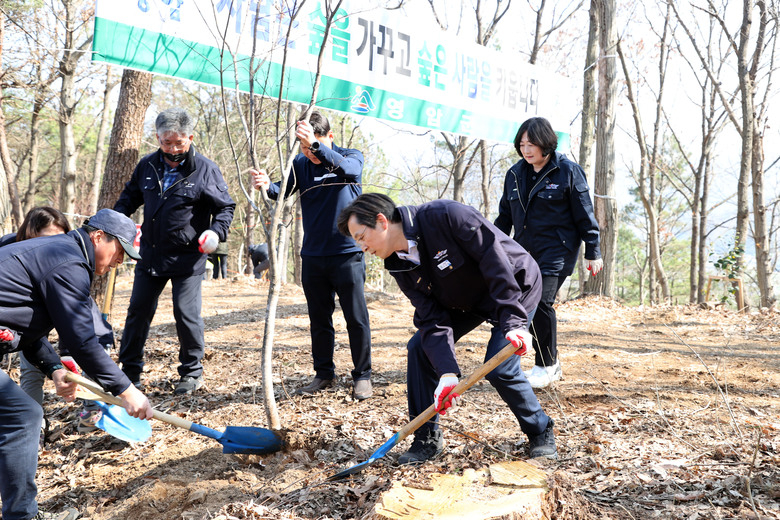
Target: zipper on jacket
x=160, y=181
x=525, y=207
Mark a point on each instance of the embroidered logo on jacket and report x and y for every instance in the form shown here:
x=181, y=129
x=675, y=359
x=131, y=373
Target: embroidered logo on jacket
x=440, y=255
x=551, y=187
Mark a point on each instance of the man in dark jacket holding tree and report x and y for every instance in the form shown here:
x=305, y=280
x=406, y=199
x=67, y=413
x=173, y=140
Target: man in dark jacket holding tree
x=187, y=211
x=328, y=178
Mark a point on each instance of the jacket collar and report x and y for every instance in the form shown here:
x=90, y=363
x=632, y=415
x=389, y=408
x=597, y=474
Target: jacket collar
x=187, y=167
x=408, y=214
x=86, y=247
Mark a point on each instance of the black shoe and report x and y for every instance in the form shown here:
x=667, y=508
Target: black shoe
x=68, y=514
x=188, y=384
x=425, y=446
x=362, y=389
x=543, y=445
x=315, y=386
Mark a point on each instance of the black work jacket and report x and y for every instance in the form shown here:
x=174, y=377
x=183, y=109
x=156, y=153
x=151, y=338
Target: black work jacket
x=46, y=283
x=175, y=218
x=555, y=215
x=468, y=264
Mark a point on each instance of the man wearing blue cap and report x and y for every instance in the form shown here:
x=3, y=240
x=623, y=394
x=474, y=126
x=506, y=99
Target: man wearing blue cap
x=46, y=283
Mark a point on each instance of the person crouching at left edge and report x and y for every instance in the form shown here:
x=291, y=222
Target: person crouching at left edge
x=46, y=283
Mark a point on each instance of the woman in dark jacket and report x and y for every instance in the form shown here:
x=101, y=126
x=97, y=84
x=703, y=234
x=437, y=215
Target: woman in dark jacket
x=547, y=201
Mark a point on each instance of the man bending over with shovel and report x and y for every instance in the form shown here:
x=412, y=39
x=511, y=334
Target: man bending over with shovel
x=45, y=284
x=458, y=270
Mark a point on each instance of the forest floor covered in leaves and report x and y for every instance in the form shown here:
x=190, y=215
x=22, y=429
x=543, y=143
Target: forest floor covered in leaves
x=670, y=413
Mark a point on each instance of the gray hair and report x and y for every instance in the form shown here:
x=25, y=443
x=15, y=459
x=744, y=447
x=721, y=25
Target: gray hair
x=174, y=120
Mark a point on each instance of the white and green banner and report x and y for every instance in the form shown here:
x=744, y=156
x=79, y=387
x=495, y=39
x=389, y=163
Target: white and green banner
x=376, y=63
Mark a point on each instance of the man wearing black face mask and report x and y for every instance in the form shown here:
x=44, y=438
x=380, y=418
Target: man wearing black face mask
x=187, y=212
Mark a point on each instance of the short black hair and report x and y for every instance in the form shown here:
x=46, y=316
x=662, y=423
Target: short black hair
x=365, y=208
x=318, y=122
x=540, y=132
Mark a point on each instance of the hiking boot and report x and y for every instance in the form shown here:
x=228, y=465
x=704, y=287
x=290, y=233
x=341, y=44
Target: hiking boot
x=188, y=384
x=362, y=389
x=88, y=420
x=425, y=446
x=317, y=385
x=543, y=445
x=541, y=377
x=68, y=514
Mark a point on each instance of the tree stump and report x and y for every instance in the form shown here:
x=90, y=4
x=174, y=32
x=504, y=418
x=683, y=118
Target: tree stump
x=511, y=490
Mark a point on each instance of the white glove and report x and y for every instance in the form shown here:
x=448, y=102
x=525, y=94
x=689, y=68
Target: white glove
x=208, y=242
x=443, y=397
x=594, y=266
x=520, y=339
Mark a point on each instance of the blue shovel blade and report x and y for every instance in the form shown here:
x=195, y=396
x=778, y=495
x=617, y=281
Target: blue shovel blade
x=378, y=454
x=117, y=422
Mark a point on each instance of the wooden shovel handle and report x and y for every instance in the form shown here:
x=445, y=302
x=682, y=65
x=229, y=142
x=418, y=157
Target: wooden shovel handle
x=100, y=395
x=464, y=385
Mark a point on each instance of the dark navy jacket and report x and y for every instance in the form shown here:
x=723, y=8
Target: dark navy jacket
x=10, y=238
x=325, y=190
x=555, y=217
x=466, y=263
x=46, y=283
x=174, y=220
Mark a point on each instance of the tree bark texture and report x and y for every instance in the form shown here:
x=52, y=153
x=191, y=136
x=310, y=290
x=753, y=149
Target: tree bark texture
x=135, y=96
x=588, y=129
x=605, y=203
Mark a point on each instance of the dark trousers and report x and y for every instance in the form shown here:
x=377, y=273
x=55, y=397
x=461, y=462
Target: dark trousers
x=323, y=277
x=544, y=326
x=507, y=378
x=186, y=312
x=220, y=265
x=20, y=426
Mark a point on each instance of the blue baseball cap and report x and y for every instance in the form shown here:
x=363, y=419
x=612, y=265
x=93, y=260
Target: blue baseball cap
x=117, y=225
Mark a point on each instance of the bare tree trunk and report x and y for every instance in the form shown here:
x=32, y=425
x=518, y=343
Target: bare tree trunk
x=746, y=87
x=484, y=165
x=702, y=268
x=760, y=232
x=97, y=172
x=135, y=96
x=68, y=150
x=587, y=132
x=459, y=147
x=605, y=204
x=9, y=197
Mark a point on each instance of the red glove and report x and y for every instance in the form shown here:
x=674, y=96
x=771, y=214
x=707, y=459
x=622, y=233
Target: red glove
x=70, y=363
x=520, y=339
x=6, y=335
x=443, y=396
x=595, y=266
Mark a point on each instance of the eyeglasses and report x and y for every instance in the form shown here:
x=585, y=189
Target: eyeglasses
x=359, y=238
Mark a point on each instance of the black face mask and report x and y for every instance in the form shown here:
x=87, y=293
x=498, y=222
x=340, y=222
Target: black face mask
x=177, y=158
